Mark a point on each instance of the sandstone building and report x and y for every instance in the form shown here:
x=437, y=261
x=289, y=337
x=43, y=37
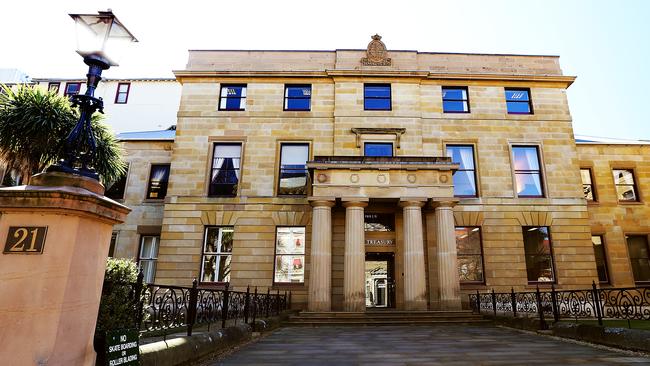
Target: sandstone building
x=375, y=178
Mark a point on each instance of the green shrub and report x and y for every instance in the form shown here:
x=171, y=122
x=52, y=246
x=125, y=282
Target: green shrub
x=119, y=305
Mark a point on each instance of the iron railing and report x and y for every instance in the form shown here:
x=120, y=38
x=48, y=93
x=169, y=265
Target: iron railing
x=631, y=303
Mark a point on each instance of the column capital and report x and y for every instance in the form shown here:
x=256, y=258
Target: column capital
x=322, y=201
x=412, y=202
x=444, y=203
x=354, y=202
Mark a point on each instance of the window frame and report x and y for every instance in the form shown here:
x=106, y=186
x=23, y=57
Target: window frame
x=148, y=192
x=593, y=185
x=304, y=258
x=279, y=169
x=540, y=162
x=474, y=160
x=150, y=259
x=126, y=183
x=390, y=96
x=65, y=91
x=244, y=88
x=529, y=101
x=635, y=186
x=627, y=247
x=391, y=143
x=213, y=145
x=551, y=255
x=58, y=86
x=285, y=103
x=115, y=236
x=465, y=88
x=480, y=237
x=216, y=254
x=605, y=259
x=117, y=93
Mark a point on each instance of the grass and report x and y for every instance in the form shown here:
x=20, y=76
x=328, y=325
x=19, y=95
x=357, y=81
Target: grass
x=633, y=324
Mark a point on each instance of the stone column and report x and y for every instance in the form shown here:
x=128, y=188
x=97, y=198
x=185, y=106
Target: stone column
x=449, y=284
x=320, y=275
x=354, y=296
x=415, y=287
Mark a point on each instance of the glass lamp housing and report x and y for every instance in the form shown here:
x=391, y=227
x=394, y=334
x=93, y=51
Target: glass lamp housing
x=101, y=36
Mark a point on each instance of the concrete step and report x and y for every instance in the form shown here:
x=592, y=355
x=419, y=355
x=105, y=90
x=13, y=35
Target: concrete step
x=387, y=313
x=388, y=322
x=386, y=317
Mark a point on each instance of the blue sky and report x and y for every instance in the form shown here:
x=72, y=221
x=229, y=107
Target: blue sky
x=605, y=43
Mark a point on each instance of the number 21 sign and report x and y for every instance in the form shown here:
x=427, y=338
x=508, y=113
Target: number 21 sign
x=25, y=240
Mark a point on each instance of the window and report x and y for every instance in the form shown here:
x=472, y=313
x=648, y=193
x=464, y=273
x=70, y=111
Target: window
x=376, y=97
x=297, y=97
x=217, y=254
x=587, y=184
x=637, y=246
x=383, y=222
x=470, y=254
x=601, y=262
x=518, y=101
x=455, y=99
x=539, y=258
x=72, y=89
x=148, y=256
x=158, y=179
x=290, y=255
x=115, y=190
x=378, y=149
x=53, y=87
x=465, y=177
x=528, y=174
x=224, y=179
x=233, y=98
x=625, y=185
x=111, y=247
x=293, y=169
x=122, y=95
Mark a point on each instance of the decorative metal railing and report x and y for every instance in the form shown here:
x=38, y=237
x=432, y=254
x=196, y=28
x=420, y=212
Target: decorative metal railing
x=632, y=303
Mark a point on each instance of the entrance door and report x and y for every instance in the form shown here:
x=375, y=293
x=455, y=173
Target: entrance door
x=380, y=284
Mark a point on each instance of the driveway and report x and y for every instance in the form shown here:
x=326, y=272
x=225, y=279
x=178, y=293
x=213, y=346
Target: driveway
x=420, y=345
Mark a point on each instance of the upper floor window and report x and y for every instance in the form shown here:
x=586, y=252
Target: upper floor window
x=217, y=254
x=290, y=255
x=148, y=256
x=117, y=188
x=122, y=94
x=72, y=89
x=625, y=185
x=601, y=262
x=637, y=246
x=539, y=256
x=297, y=97
x=587, y=184
x=378, y=149
x=518, y=101
x=113, y=243
x=376, y=97
x=224, y=179
x=470, y=254
x=455, y=99
x=293, y=169
x=528, y=174
x=54, y=87
x=465, y=177
x=233, y=98
x=158, y=180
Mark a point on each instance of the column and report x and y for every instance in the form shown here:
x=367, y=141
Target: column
x=320, y=275
x=415, y=287
x=449, y=284
x=354, y=294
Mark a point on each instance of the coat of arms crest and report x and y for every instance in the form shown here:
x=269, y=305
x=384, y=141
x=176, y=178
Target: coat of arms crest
x=376, y=54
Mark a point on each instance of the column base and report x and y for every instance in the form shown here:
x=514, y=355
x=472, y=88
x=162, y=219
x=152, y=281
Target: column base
x=356, y=304
x=319, y=306
x=454, y=304
x=416, y=305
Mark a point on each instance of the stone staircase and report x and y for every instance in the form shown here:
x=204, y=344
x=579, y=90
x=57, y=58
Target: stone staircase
x=385, y=317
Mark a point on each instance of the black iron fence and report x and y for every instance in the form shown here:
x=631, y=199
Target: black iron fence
x=632, y=303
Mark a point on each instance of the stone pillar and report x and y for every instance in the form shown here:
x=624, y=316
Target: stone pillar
x=415, y=287
x=50, y=299
x=354, y=294
x=449, y=284
x=320, y=275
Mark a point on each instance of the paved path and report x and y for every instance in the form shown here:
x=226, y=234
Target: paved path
x=421, y=345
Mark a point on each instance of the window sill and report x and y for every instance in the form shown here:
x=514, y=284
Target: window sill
x=631, y=203
x=288, y=286
x=212, y=285
x=592, y=203
x=452, y=112
x=473, y=286
x=541, y=285
x=159, y=201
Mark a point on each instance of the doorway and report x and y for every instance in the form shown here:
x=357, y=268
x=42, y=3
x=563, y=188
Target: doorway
x=380, y=283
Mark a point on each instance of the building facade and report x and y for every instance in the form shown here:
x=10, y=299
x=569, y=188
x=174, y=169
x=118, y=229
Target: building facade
x=379, y=178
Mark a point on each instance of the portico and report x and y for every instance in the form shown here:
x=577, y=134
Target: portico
x=402, y=187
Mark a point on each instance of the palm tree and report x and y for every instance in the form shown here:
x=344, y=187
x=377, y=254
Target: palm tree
x=34, y=125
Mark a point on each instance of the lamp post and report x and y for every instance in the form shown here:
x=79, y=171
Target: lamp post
x=99, y=37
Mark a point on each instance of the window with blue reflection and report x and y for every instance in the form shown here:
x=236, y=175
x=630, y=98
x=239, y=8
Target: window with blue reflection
x=376, y=97
x=297, y=97
x=518, y=101
x=455, y=99
x=378, y=149
x=293, y=169
x=233, y=98
x=528, y=174
x=465, y=177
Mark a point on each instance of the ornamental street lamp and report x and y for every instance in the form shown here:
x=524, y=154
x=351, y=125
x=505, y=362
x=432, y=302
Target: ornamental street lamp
x=99, y=38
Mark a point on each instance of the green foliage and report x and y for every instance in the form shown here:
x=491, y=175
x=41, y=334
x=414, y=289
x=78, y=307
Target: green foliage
x=34, y=125
x=118, y=307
